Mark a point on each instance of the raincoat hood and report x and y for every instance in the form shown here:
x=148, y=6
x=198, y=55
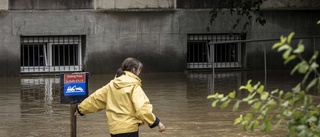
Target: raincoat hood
x=126, y=80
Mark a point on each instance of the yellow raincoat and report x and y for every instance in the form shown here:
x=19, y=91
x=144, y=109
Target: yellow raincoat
x=126, y=104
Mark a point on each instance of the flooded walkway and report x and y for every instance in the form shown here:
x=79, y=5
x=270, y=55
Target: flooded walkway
x=30, y=107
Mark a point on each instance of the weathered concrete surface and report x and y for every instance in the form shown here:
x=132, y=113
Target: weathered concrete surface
x=134, y=4
x=291, y=4
x=303, y=23
x=50, y=4
x=3, y=4
x=158, y=39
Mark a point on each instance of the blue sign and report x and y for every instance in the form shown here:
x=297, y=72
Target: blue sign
x=74, y=89
x=74, y=84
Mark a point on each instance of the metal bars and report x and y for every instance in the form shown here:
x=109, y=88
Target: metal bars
x=199, y=53
x=51, y=53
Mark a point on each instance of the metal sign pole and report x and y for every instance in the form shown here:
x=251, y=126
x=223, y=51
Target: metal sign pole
x=73, y=121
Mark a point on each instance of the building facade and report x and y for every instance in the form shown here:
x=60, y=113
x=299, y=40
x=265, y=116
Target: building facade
x=40, y=36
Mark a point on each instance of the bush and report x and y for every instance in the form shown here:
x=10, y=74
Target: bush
x=296, y=108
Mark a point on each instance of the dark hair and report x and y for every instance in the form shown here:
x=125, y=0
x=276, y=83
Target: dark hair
x=128, y=64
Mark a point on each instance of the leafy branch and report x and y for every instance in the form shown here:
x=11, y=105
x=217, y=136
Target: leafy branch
x=245, y=10
x=296, y=108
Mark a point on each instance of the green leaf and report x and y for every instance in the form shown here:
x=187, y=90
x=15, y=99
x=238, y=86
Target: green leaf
x=260, y=117
x=295, y=69
x=252, y=101
x=256, y=86
x=256, y=105
x=247, y=87
x=224, y=99
x=284, y=47
x=314, y=66
x=296, y=89
x=314, y=56
x=290, y=58
x=285, y=104
x=244, y=125
x=301, y=127
x=264, y=95
x=290, y=37
x=253, y=125
x=286, y=54
x=287, y=113
x=235, y=106
x=248, y=117
x=276, y=45
x=232, y=94
x=242, y=87
x=211, y=96
x=278, y=124
x=302, y=133
x=225, y=104
x=220, y=96
x=312, y=119
x=298, y=115
x=260, y=89
x=238, y=120
x=251, y=95
x=311, y=84
x=266, y=126
x=271, y=103
x=280, y=94
x=288, y=95
x=274, y=91
x=300, y=48
x=306, y=76
x=318, y=22
x=283, y=39
x=214, y=103
x=303, y=68
x=264, y=112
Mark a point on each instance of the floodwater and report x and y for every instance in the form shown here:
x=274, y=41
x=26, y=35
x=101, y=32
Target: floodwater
x=30, y=106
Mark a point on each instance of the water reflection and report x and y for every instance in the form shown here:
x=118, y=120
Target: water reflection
x=38, y=94
x=30, y=106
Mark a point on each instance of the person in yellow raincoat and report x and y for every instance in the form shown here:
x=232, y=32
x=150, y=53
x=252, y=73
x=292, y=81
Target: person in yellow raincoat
x=127, y=106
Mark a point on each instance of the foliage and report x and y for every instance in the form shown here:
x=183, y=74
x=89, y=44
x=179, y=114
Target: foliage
x=244, y=9
x=296, y=108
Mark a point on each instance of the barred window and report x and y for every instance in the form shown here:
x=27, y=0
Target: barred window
x=51, y=53
x=199, y=51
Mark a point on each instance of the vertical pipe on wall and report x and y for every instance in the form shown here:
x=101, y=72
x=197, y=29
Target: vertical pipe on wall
x=212, y=58
x=265, y=67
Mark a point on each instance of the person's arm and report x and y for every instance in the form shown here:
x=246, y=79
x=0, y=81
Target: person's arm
x=94, y=103
x=144, y=109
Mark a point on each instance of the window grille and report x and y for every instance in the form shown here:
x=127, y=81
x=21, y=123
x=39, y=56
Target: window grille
x=225, y=55
x=51, y=53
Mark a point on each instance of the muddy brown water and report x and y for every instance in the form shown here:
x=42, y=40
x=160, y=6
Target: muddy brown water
x=30, y=106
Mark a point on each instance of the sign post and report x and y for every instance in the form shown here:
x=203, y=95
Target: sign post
x=73, y=121
x=74, y=89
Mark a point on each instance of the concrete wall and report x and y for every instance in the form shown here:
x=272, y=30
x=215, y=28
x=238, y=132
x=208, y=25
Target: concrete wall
x=50, y=4
x=145, y=4
x=158, y=39
x=291, y=4
x=301, y=22
x=134, y=4
x=3, y=4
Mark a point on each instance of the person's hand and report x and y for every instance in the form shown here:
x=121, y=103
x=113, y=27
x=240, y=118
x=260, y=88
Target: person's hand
x=161, y=127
